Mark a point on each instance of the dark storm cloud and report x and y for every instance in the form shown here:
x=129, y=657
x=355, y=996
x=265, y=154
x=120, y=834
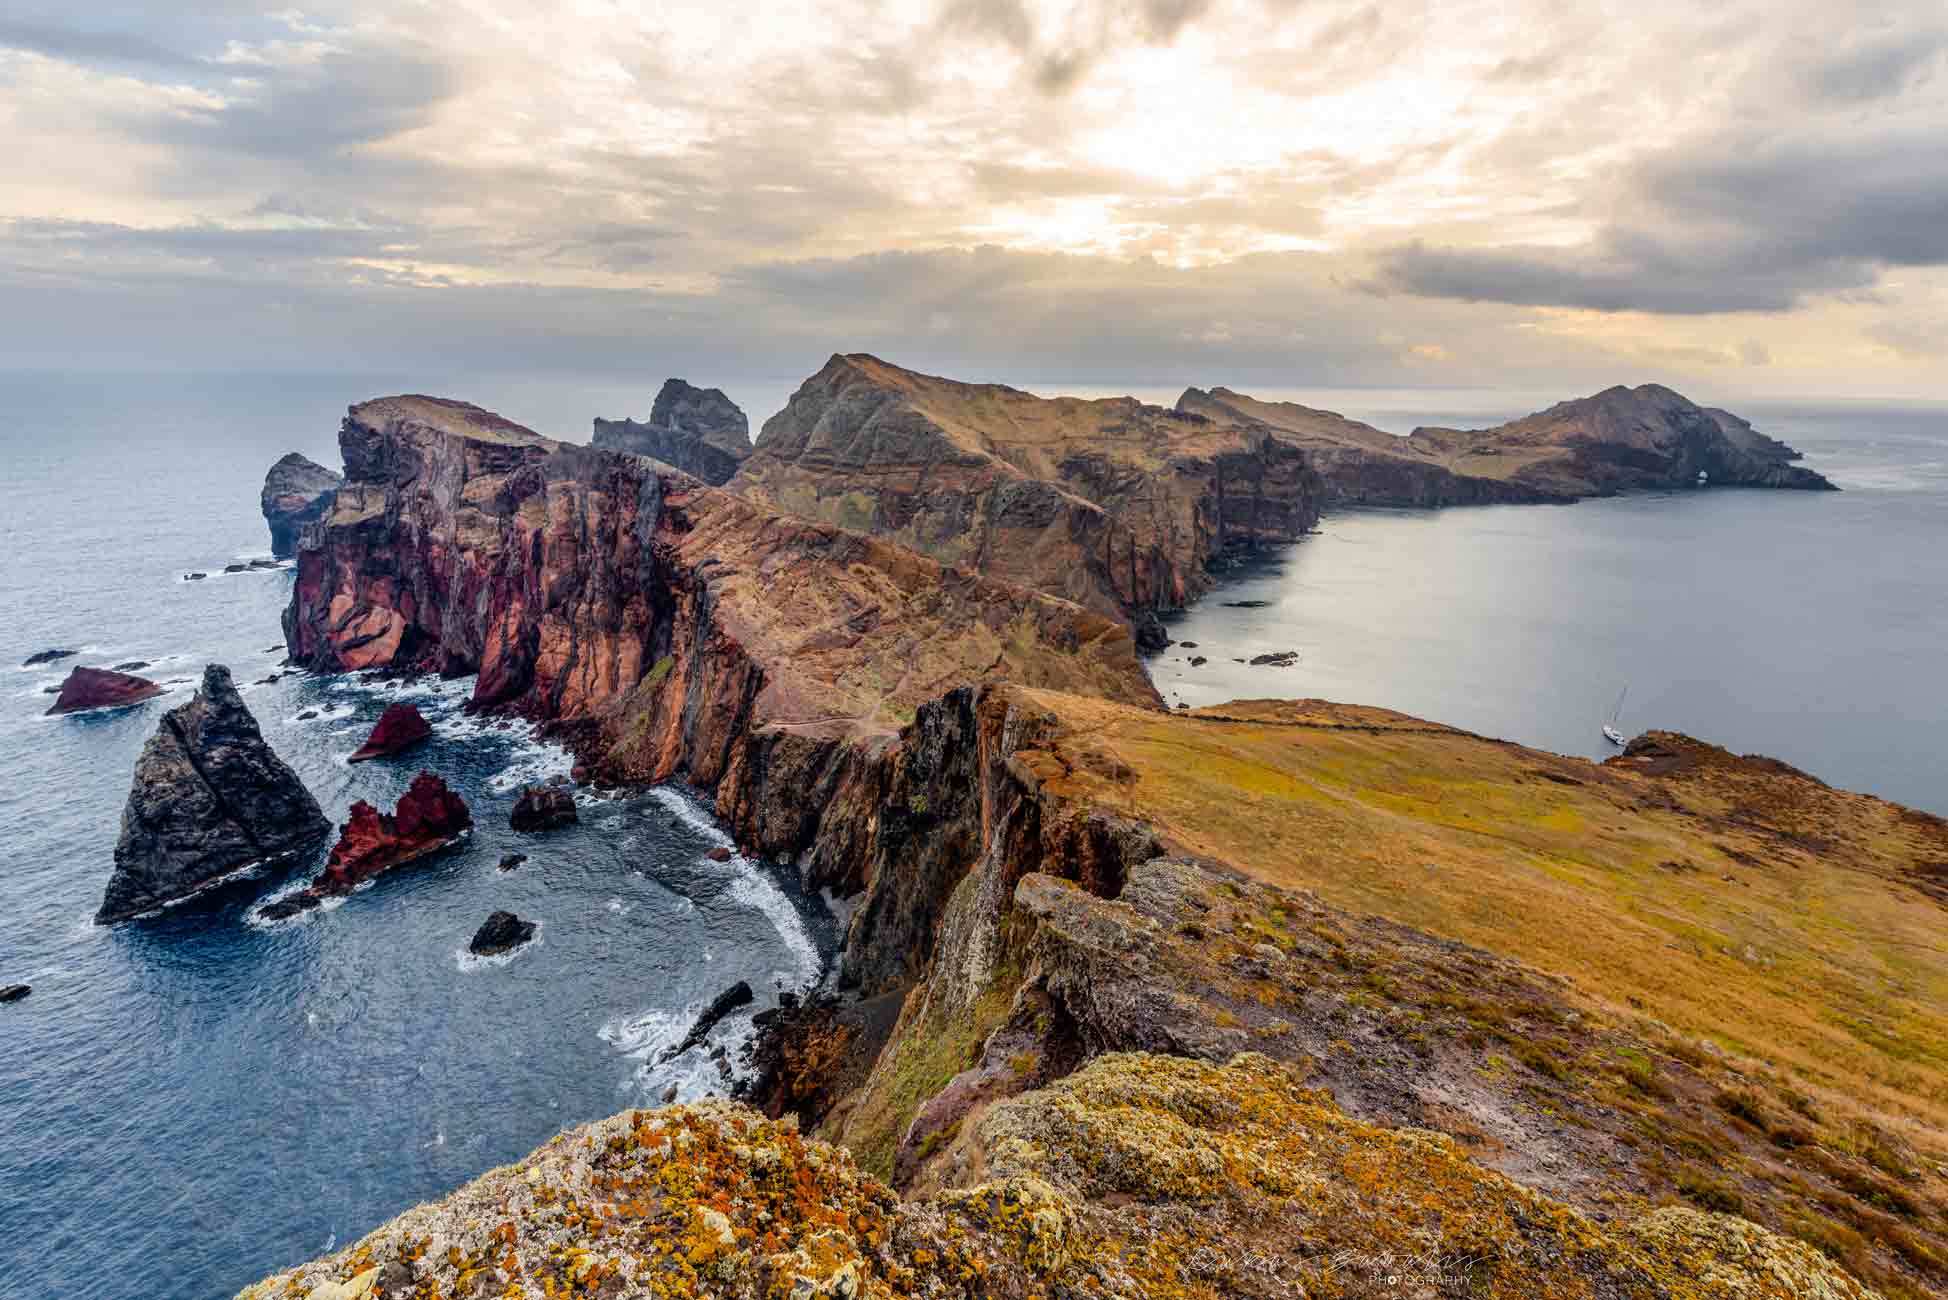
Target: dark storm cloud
x=1733, y=222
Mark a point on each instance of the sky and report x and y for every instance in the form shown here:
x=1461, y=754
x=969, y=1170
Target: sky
x=1740, y=198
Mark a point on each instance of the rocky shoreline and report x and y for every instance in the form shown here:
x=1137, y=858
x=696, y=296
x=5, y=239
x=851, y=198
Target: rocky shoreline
x=1093, y=946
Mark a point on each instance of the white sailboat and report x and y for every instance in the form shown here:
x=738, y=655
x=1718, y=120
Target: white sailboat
x=1611, y=732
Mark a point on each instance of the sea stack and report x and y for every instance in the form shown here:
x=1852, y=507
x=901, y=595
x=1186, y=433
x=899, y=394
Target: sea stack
x=209, y=797
x=297, y=491
x=499, y=933
x=698, y=430
x=101, y=688
x=429, y=818
x=399, y=728
x=543, y=808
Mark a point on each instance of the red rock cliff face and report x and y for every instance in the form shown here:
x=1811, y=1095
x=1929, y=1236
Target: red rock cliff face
x=673, y=631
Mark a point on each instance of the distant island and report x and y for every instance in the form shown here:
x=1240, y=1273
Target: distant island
x=1230, y=1001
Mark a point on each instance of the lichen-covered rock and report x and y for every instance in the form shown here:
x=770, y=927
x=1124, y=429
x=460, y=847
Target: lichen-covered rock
x=1137, y=1177
x=297, y=491
x=209, y=797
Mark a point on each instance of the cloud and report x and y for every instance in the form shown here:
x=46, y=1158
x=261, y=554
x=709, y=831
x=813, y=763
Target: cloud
x=59, y=41
x=1058, y=49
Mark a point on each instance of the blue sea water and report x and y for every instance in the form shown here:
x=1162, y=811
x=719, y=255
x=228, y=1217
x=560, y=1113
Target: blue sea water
x=190, y=1102
x=1810, y=626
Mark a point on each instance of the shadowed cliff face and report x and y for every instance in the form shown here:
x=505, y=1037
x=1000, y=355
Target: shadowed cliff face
x=1118, y=506
x=698, y=430
x=1618, y=440
x=297, y=491
x=670, y=630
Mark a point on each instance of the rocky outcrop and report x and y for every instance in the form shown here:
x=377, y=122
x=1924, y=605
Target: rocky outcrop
x=543, y=808
x=1137, y=1177
x=209, y=798
x=1119, y=506
x=698, y=430
x=399, y=729
x=666, y=629
x=430, y=817
x=297, y=491
x=737, y=995
x=101, y=688
x=502, y=932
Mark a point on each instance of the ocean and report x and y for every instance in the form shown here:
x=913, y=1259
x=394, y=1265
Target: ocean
x=190, y=1102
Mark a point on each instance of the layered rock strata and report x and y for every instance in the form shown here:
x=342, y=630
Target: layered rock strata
x=297, y=491
x=698, y=430
x=209, y=798
x=1116, y=505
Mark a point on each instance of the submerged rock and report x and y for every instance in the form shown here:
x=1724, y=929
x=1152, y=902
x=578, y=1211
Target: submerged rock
x=194, y=577
x=132, y=666
x=399, y=728
x=236, y=568
x=296, y=491
x=209, y=797
x=499, y=933
x=737, y=995
x=15, y=992
x=101, y=688
x=513, y=860
x=48, y=657
x=429, y=818
x=543, y=808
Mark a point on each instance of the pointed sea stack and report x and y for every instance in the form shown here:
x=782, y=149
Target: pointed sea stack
x=430, y=817
x=100, y=688
x=297, y=491
x=209, y=797
x=400, y=727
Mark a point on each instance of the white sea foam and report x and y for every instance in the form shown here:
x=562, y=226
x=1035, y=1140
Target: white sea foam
x=619, y=907
x=645, y=1037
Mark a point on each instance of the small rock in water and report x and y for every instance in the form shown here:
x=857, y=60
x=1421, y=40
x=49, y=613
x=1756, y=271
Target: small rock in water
x=15, y=992
x=50, y=690
x=499, y=933
x=737, y=995
x=1188, y=645
x=286, y=908
x=1279, y=659
x=307, y=715
x=399, y=728
x=48, y=657
x=271, y=649
x=669, y=1094
x=512, y=861
x=719, y=854
x=194, y=577
x=272, y=680
x=265, y=564
x=98, y=688
x=132, y=666
x=1197, y=660
x=1246, y=604
x=236, y=568
x=543, y=808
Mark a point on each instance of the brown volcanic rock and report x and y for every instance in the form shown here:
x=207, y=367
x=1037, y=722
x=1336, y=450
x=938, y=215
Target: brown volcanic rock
x=297, y=491
x=698, y=430
x=1119, y=506
x=209, y=797
x=399, y=728
x=1359, y=464
x=429, y=818
x=543, y=808
x=101, y=688
x=669, y=629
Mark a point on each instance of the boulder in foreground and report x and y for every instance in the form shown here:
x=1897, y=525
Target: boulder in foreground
x=296, y=492
x=1138, y=1176
x=399, y=728
x=101, y=688
x=209, y=797
x=501, y=932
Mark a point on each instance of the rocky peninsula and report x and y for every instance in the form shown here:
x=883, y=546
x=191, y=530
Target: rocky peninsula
x=209, y=798
x=1256, y=1000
